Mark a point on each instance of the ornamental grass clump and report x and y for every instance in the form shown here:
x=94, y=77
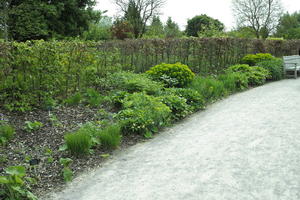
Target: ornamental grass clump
x=78, y=143
x=6, y=133
x=110, y=137
x=172, y=75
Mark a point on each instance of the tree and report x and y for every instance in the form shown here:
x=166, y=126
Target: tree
x=289, y=26
x=43, y=19
x=156, y=29
x=122, y=29
x=144, y=10
x=4, y=7
x=132, y=15
x=99, y=31
x=242, y=32
x=261, y=15
x=172, y=29
x=202, y=23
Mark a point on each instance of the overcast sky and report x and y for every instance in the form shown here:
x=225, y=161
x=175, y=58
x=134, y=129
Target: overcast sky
x=182, y=10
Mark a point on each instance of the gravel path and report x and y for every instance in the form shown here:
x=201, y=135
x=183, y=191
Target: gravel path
x=242, y=148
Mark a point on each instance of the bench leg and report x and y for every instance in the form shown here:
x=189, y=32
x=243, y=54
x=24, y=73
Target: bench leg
x=295, y=74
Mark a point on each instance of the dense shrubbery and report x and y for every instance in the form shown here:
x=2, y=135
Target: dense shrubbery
x=172, y=75
x=256, y=75
x=143, y=113
x=253, y=59
x=274, y=66
x=234, y=81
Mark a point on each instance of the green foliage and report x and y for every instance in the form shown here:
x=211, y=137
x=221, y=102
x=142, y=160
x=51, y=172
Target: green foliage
x=32, y=126
x=180, y=109
x=211, y=89
x=134, y=18
x=117, y=98
x=74, y=99
x=110, y=137
x=172, y=75
x=203, y=23
x=79, y=142
x=93, y=98
x=122, y=29
x=253, y=59
x=234, y=81
x=131, y=82
x=6, y=133
x=242, y=32
x=256, y=75
x=155, y=30
x=274, y=66
x=13, y=186
x=193, y=97
x=66, y=172
x=142, y=113
x=289, y=26
x=171, y=29
x=99, y=31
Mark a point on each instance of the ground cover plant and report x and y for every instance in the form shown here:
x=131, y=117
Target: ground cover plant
x=67, y=112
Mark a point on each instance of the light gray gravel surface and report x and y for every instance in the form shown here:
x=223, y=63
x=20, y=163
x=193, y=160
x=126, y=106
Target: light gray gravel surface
x=242, y=148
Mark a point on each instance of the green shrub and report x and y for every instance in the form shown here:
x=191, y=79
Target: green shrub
x=66, y=172
x=93, y=98
x=13, y=185
x=253, y=59
x=178, y=106
x=79, y=143
x=131, y=82
x=172, y=75
x=73, y=100
x=256, y=75
x=117, y=98
x=234, y=81
x=6, y=133
x=274, y=66
x=210, y=88
x=143, y=113
x=193, y=97
x=110, y=137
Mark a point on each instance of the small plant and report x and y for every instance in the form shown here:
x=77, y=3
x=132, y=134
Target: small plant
x=48, y=152
x=172, y=75
x=274, y=66
x=178, y=106
x=13, y=186
x=93, y=98
x=67, y=173
x=193, y=97
x=6, y=133
x=54, y=120
x=255, y=75
x=78, y=143
x=143, y=113
x=74, y=100
x=110, y=137
x=253, y=59
x=32, y=126
x=211, y=88
x=234, y=81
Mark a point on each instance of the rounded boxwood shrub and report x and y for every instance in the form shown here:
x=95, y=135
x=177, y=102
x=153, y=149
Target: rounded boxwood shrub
x=253, y=59
x=172, y=75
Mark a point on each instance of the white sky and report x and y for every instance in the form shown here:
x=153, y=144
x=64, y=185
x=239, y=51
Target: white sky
x=182, y=10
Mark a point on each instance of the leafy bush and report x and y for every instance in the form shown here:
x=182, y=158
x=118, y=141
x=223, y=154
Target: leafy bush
x=32, y=126
x=178, y=106
x=143, y=113
x=13, y=185
x=274, y=66
x=211, y=89
x=256, y=75
x=66, y=172
x=117, y=98
x=234, y=81
x=110, y=137
x=6, y=133
x=131, y=82
x=193, y=97
x=253, y=59
x=93, y=98
x=74, y=99
x=79, y=143
x=172, y=75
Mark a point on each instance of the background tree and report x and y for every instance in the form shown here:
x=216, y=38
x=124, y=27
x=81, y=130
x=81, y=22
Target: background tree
x=144, y=10
x=172, y=29
x=156, y=29
x=261, y=15
x=132, y=15
x=43, y=19
x=289, y=26
x=4, y=8
x=122, y=29
x=242, y=32
x=202, y=23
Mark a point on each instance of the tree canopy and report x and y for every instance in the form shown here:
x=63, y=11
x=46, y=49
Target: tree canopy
x=289, y=26
x=202, y=23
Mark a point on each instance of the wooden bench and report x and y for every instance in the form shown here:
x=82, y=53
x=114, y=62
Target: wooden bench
x=291, y=65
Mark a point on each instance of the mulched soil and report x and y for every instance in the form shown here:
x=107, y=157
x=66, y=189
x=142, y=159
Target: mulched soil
x=27, y=147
